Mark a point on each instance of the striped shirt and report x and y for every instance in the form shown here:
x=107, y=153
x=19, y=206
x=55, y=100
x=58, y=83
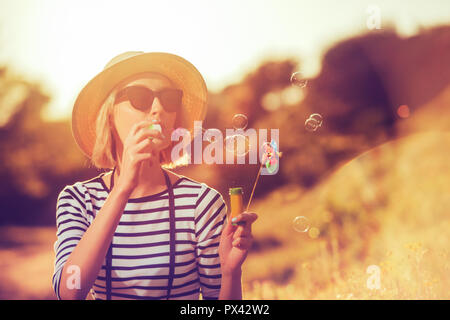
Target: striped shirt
x=140, y=245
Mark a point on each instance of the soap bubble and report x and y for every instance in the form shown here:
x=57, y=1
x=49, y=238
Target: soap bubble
x=298, y=80
x=313, y=122
x=240, y=121
x=311, y=125
x=238, y=144
x=317, y=117
x=301, y=224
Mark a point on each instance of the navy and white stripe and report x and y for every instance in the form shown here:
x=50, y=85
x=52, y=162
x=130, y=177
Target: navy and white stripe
x=140, y=248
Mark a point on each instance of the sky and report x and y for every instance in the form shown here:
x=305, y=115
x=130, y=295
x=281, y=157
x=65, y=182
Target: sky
x=63, y=44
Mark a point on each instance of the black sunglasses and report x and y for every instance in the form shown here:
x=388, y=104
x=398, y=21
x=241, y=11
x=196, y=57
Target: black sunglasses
x=141, y=98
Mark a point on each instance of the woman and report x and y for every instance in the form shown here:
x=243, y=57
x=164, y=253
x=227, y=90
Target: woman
x=140, y=231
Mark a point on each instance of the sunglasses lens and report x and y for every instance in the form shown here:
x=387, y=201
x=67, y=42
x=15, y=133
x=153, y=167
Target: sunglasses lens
x=171, y=99
x=140, y=98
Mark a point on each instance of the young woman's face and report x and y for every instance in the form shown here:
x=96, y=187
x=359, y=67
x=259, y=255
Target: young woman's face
x=125, y=115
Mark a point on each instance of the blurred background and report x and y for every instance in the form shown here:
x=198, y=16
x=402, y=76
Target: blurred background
x=360, y=208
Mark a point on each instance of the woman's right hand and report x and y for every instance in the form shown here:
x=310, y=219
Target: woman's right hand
x=137, y=148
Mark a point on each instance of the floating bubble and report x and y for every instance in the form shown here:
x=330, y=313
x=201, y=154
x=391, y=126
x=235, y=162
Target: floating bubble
x=301, y=224
x=211, y=135
x=314, y=122
x=311, y=125
x=240, y=121
x=237, y=144
x=243, y=145
x=317, y=117
x=298, y=80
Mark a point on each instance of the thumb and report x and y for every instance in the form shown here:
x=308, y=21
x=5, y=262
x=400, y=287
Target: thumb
x=229, y=228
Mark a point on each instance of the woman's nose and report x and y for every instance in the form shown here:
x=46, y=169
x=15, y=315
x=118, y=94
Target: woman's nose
x=157, y=108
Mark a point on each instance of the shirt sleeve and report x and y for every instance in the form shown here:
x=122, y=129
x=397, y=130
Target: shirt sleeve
x=210, y=217
x=71, y=223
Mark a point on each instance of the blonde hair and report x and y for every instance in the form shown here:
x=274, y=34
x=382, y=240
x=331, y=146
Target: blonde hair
x=104, y=152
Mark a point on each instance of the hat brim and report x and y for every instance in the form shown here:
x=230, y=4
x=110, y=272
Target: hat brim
x=180, y=71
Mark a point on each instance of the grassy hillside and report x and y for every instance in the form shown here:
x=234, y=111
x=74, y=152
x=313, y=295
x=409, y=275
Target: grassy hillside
x=389, y=207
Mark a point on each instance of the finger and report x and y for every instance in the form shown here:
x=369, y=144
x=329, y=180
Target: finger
x=243, y=243
x=246, y=217
x=144, y=133
x=137, y=126
x=141, y=157
x=146, y=145
x=240, y=223
x=135, y=130
x=229, y=228
x=242, y=232
x=155, y=133
x=141, y=145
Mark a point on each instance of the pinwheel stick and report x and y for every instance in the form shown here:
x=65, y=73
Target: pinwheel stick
x=254, y=187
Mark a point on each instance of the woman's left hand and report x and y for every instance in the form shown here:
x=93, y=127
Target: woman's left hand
x=235, y=242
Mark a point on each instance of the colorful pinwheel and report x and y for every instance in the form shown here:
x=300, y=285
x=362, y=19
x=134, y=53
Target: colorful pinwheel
x=270, y=156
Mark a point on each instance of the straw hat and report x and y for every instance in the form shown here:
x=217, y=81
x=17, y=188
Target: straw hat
x=180, y=71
